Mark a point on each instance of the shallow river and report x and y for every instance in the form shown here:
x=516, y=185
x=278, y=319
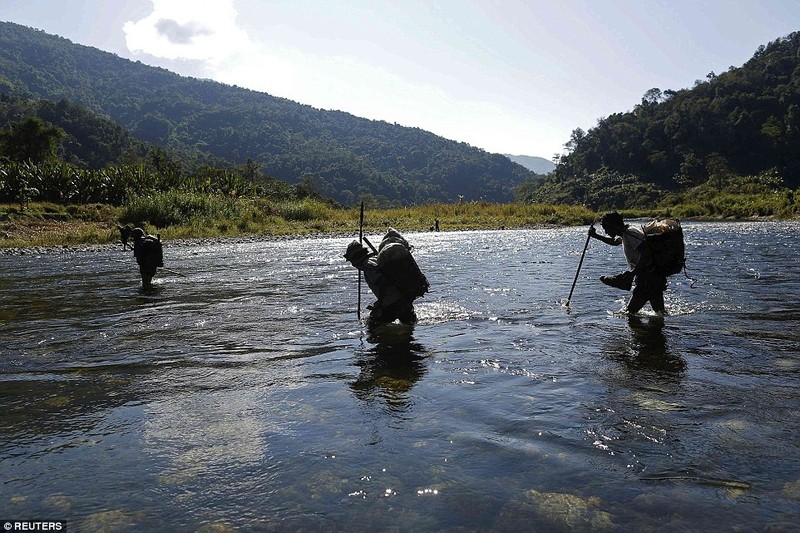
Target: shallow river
x=243, y=394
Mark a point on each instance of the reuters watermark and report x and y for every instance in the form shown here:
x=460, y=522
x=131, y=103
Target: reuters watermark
x=33, y=525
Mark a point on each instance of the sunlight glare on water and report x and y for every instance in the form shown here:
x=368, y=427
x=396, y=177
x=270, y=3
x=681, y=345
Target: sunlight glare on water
x=243, y=393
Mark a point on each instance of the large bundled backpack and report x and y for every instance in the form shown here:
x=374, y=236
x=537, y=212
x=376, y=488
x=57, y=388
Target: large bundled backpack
x=396, y=263
x=151, y=252
x=665, y=239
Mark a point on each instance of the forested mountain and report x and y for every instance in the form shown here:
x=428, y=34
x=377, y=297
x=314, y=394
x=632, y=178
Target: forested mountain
x=338, y=154
x=743, y=122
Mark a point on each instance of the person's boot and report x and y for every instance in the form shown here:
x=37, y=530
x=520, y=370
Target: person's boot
x=622, y=281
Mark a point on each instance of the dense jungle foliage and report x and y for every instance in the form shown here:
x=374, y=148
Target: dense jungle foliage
x=207, y=123
x=65, y=160
x=741, y=126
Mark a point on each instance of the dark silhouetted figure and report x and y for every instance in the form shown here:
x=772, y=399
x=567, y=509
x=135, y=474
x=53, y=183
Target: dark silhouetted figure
x=125, y=234
x=650, y=284
x=148, y=253
x=392, y=275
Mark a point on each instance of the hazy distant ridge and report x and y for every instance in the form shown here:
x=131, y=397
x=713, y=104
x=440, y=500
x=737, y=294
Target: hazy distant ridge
x=540, y=165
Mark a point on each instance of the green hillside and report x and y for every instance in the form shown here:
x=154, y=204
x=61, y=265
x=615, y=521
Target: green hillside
x=334, y=153
x=739, y=129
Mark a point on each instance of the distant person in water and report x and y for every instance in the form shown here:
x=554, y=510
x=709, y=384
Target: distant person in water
x=392, y=275
x=649, y=284
x=148, y=253
x=125, y=234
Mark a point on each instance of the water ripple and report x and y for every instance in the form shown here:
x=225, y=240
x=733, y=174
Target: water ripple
x=244, y=393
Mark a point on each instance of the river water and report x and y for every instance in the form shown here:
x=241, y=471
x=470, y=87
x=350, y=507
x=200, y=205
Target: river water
x=243, y=394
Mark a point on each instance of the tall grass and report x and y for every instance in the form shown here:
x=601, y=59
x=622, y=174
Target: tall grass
x=195, y=214
x=475, y=215
x=173, y=208
x=304, y=210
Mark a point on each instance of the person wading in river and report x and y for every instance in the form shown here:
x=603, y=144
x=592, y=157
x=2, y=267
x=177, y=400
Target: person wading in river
x=392, y=275
x=650, y=283
x=125, y=234
x=148, y=253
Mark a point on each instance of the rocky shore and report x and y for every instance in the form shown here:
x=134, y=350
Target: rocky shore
x=96, y=248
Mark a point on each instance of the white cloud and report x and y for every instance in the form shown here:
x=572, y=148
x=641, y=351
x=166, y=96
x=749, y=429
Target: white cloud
x=187, y=29
x=208, y=32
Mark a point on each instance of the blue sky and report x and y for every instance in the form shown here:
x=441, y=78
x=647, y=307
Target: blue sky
x=506, y=76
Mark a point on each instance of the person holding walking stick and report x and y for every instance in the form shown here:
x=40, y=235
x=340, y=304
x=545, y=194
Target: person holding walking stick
x=392, y=275
x=650, y=282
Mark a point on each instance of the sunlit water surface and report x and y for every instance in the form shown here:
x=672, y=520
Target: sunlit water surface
x=243, y=393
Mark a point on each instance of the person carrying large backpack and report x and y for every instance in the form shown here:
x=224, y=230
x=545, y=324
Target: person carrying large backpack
x=148, y=253
x=392, y=275
x=652, y=253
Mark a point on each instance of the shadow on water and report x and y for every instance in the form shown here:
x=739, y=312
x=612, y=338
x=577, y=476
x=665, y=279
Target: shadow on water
x=646, y=348
x=390, y=367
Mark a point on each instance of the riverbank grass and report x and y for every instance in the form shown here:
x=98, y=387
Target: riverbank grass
x=186, y=216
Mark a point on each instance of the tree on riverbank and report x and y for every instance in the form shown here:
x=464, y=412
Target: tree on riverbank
x=30, y=140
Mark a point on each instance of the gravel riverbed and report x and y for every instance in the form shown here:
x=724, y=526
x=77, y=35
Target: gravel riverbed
x=95, y=248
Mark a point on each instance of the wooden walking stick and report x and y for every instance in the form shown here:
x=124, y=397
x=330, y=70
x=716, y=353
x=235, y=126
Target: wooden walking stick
x=174, y=272
x=360, y=240
x=585, y=246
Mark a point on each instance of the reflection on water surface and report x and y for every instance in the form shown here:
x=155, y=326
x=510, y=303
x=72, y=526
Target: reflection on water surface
x=243, y=394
